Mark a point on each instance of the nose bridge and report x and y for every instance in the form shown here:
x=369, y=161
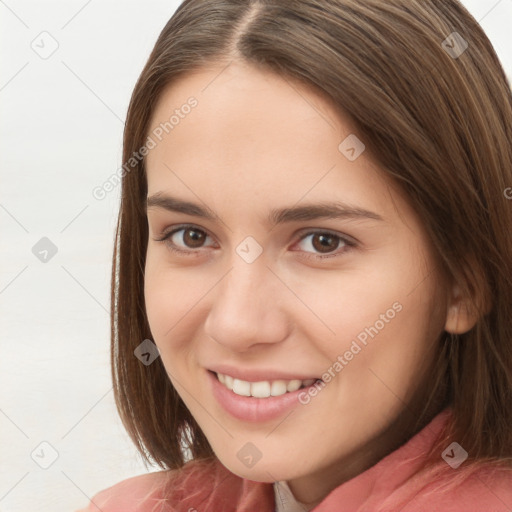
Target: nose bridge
x=244, y=306
x=249, y=276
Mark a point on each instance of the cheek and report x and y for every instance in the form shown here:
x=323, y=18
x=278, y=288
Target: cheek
x=157, y=298
x=354, y=302
x=166, y=298
x=387, y=320
x=174, y=306
x=398, y=348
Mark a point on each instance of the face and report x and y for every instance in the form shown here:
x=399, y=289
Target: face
x=255, y=281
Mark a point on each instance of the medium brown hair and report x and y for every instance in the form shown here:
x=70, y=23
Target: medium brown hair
x=439, y=125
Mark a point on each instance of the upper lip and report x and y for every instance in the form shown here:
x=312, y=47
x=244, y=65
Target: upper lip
x=258, y=375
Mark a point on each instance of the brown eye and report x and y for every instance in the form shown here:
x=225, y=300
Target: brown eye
x=193, y=238
x=184, y=239
x=324, y=242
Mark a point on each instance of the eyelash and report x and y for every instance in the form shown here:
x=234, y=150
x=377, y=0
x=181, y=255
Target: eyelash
x=349, y=243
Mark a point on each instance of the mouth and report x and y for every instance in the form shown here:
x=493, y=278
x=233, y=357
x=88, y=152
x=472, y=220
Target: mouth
x=264, y=388
x=259, y=401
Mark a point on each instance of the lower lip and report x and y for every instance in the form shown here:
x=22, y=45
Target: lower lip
x=249, y=408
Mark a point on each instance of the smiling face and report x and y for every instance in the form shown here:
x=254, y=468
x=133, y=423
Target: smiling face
x=262, y=294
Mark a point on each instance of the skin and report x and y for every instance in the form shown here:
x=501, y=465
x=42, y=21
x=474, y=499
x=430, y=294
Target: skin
x=254, y=143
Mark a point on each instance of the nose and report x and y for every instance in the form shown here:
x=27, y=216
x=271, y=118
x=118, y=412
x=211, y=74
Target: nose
x=247, y=307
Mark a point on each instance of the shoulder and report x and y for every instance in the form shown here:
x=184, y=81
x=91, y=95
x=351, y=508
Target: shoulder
x=470, y=487
x=128, y=493
x=199, y=485
x=486, y=489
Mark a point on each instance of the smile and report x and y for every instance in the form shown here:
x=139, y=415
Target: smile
x=262, y=389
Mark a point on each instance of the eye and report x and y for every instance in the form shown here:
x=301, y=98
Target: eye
x=325, y=242
x=191, y=238
x=186, y=238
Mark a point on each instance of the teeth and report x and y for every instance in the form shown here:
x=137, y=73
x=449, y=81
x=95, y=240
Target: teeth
x=228, y=381
x=293, y=385
x=242, y=387
x=278, y=387
x=262, y=389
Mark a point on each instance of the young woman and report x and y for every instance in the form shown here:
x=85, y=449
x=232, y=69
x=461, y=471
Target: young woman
x=312, y=286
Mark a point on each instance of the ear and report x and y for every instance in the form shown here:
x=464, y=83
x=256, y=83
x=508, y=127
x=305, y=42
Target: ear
x=461, y=315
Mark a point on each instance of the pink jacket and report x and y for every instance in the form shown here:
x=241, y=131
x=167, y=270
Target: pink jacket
x=386, y=486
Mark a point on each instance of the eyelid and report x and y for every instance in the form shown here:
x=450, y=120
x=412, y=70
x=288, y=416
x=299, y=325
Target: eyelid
x=177, y=227
x=342, y=236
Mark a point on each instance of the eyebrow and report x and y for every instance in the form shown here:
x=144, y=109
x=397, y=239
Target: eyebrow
x=307, y=212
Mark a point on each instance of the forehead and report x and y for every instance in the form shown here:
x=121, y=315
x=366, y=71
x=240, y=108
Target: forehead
x=239, y=102
x=254, y=134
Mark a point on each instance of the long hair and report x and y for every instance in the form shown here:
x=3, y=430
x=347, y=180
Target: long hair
x=424, y=88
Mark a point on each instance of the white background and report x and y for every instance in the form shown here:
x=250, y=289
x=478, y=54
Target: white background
x=61, y=123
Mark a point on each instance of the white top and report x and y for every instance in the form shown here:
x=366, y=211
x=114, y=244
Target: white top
x=285, y=501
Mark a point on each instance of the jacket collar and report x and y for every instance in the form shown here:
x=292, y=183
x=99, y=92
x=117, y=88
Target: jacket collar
x=370, y=486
